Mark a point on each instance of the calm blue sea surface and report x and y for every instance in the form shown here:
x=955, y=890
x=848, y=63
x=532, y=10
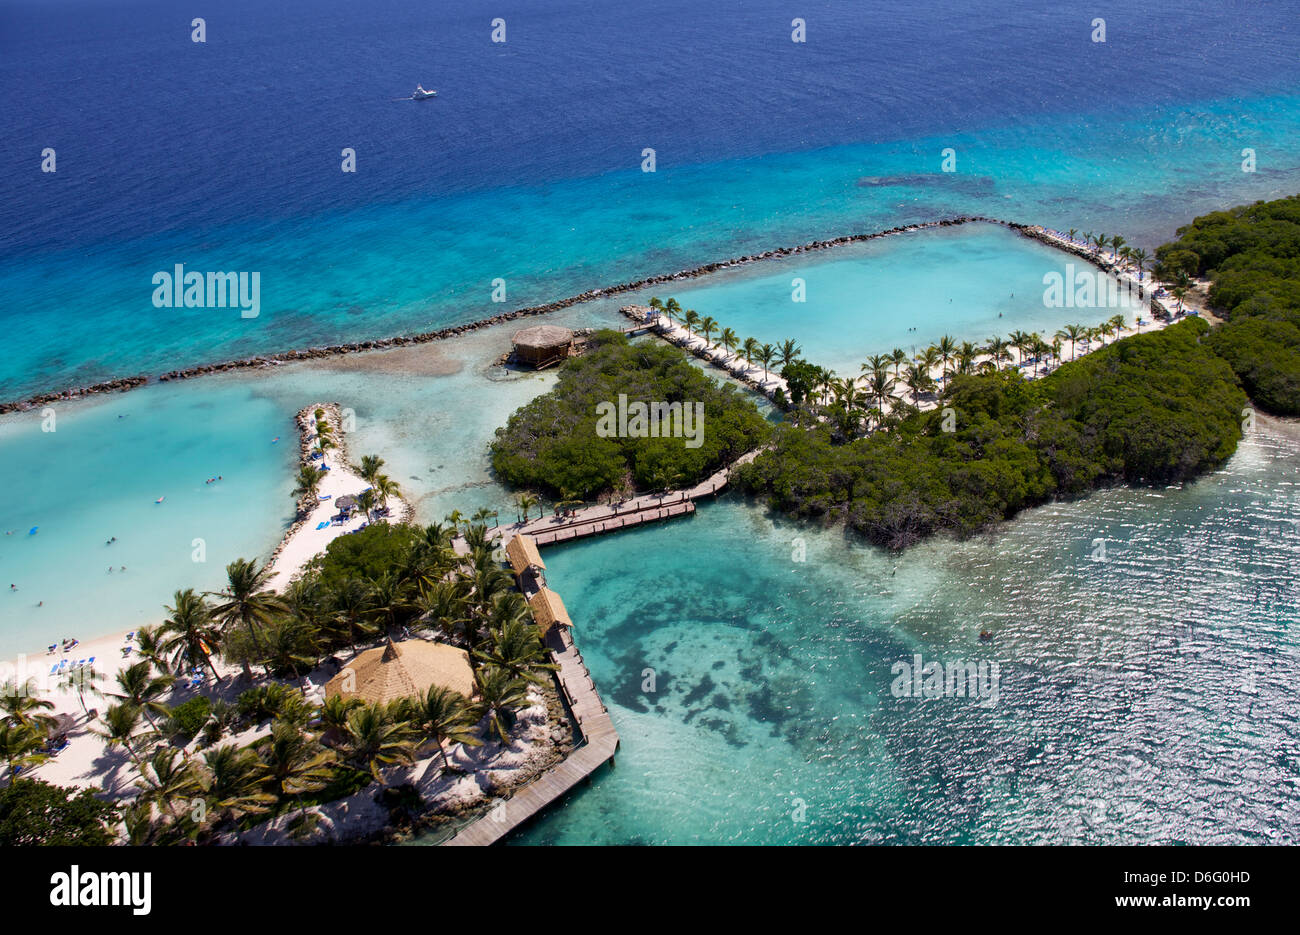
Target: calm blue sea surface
x=1148, y=698
x=225, y=155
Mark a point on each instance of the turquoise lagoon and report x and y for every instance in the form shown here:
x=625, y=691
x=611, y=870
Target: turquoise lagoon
x=1146, y=698
x=430, y=412
x=905, y=290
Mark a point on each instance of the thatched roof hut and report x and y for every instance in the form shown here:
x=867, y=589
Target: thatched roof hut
x=346, y=502
x=523, y=555
x=542, y=345
x=403, y=670
x=549, y=610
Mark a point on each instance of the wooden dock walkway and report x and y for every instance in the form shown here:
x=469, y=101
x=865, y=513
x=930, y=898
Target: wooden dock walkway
x=598, y=518
x=599, y=744
x=609, y=524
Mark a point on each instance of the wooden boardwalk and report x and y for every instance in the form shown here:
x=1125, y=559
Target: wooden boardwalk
x=598, y=518
x=623, y=520
x=599, y=744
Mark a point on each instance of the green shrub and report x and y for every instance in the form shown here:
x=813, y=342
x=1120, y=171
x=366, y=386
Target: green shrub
x=189, y=717
x=554, y=444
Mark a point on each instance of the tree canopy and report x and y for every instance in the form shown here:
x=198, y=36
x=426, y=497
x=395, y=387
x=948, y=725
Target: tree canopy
x=554, y=444
x=1252, y=254
x=1157, y=408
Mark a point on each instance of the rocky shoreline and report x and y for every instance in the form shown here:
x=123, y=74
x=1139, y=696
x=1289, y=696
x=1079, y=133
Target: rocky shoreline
x=337, y=350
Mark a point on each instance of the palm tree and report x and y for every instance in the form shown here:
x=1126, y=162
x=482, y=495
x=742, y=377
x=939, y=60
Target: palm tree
x=966, y=355
x=673, y=309
x=141, y=689
x=1179, y=292
x=692, y=318
x=928, y=358
x=445, y=715
x=526, y=502
x=1140, y=259
x=789, y=352
x=916, y=377
x=385, y=487
x=333, y=713
x=149, y=647
x=21, y=705
x=323, y=441
x=1018, y=339
x=500, y=694
x=880, y=387
x=308, y=481
x=390, y=598
x=370, y=466
x=189, y=632
x=231, y=781
x=368, y=500
x=946, y=347
x=1072, y=232
x=373, y=738
x=515, y=647
x=247, y=602
x=728, y=339
x=120, y=724
x=898, y=357
x=165, y=777
x=295, y=762
x=351, y=606
x=766, y=354
x=997, y=349
x=80, y=680
x=1117, y=244
x=707, y=327
x=749, y=350
x=291, y=644
x=20, y=746
x=1071, y=333
x=442, y=605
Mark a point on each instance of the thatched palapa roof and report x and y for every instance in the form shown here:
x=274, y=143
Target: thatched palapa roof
x=548, y=610
x=542, y=337
x=523, y=554
x=403, y=670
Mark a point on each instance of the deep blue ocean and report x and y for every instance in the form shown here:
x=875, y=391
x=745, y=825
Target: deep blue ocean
x=1148, y=700
x=226, y=155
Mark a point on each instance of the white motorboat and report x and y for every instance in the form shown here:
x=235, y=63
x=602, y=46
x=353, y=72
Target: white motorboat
x=419, y=94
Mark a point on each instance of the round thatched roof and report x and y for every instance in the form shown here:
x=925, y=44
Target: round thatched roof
x=541, y=336
x=403, y=670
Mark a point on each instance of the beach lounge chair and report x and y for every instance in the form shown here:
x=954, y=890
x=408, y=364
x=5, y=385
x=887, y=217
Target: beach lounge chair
x=90, y=661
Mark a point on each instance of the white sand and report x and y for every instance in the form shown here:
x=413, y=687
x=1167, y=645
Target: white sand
x=308, y=541
x=87, y=761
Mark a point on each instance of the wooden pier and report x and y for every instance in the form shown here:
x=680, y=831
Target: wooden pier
x=598, y=746
x=609, y=524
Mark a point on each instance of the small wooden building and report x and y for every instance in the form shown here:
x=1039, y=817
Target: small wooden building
x=542, y=345
x=524, y=557
x=549, y=610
